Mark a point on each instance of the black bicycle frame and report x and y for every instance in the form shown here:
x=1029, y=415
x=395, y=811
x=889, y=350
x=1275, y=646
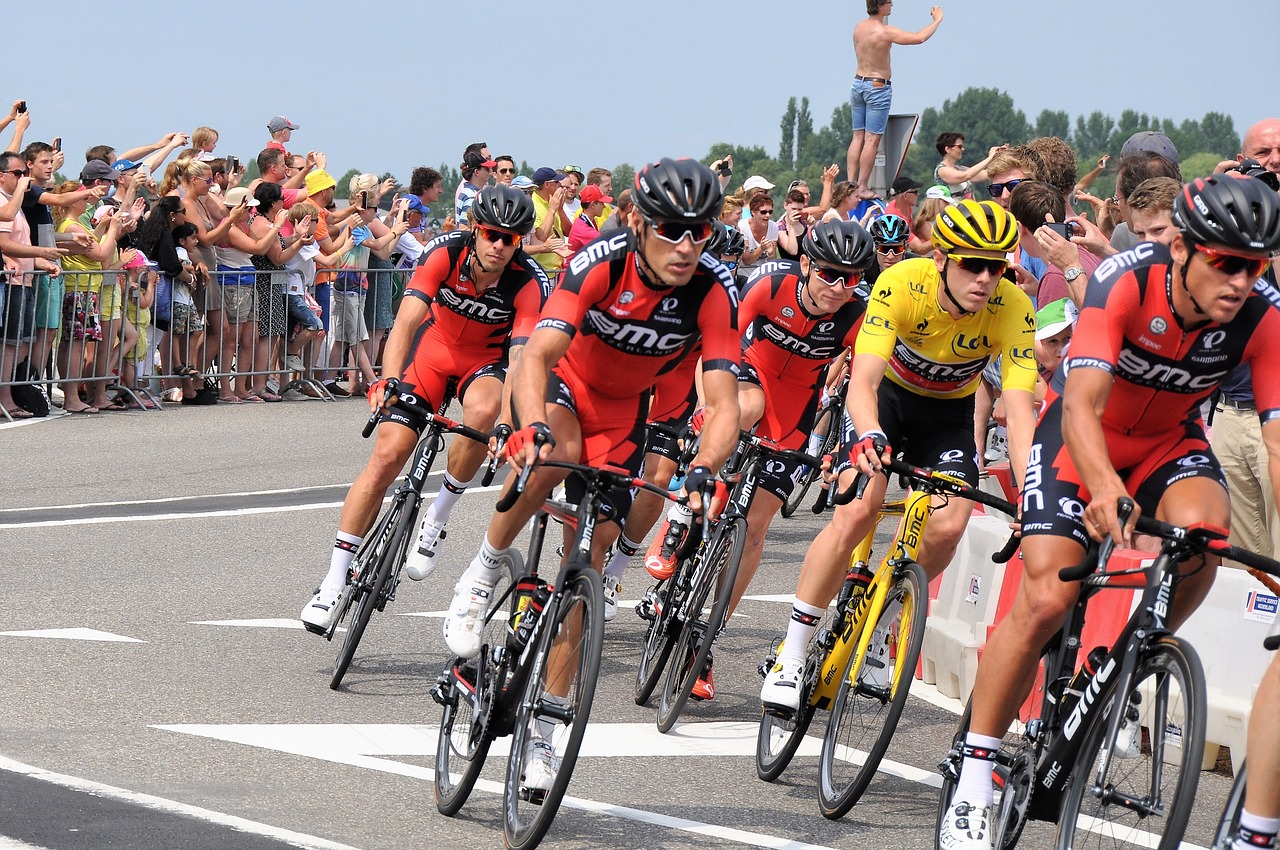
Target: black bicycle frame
x=1057, y=738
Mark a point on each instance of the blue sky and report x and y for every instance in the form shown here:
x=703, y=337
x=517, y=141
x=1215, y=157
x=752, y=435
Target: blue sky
x=598, y=83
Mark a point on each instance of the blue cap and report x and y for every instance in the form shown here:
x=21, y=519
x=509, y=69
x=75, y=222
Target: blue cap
x=522, y=182
x=125, y=165
x=416, y=205
x=543, y=174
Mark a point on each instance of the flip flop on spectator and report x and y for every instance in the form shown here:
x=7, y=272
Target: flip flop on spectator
x=230, y=399
x=117, y=404
x=81, y=410
x=18, y=413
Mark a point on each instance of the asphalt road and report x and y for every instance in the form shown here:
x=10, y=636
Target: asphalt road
x=181, y=706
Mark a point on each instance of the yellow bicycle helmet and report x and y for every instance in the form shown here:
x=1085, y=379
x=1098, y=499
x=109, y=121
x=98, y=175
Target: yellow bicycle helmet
x=975, y=229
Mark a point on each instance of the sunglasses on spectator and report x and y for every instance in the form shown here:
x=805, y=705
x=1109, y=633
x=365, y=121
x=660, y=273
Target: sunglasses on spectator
x=18, y=173
x=500, y=237
x=506, y=171
x=1231, y=264
x=208, y=180
x=978, y=265
x=675, y=231
x=997, y=189
x=833, y=278
x=765, y=213
x=890, y=249
x=529, y=192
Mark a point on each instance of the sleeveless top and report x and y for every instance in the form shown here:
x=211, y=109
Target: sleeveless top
x=74, y=266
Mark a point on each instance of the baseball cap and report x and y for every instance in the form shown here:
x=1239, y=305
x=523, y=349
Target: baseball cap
x=573, y=169
x=102, y=212
x=591, y=194
x=318, y=180
x=545, y=173
x=96, y=169
x=939, y=193
x=416, y=205
x=126, y=165
x=1054, y=317
x=275, y=125
x=475, y=159
x=1150, y=140
x=522, y=182
x=238, y=194
x=755, y=181
x=903, y=185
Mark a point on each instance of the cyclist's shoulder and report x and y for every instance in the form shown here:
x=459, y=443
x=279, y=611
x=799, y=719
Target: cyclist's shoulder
x=1133, y=267
x=523, y=270
x=1008, y=301
x=609, y=250
x=450, y=245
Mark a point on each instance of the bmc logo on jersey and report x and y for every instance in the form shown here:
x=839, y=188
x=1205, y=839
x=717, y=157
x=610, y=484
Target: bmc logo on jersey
x=633, y=338
x=796, y=345
x=477, y=310
x=1164, y=374
x=1125, y=259
x=596, y=250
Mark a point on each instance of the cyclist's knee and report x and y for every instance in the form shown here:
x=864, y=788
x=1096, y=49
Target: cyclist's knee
x=480, y=411
x=1041, y=605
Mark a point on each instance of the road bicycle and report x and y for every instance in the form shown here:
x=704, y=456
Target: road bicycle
x=375, y=570
x=828, y=418
x=537, y=666
x=1113, y=755
x=689, y=610
x=861, y=661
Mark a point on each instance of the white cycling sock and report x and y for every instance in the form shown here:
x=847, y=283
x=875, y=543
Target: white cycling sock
x=623, y=552
x=681, y=514
x=975, y=772
x=1256, y=832
x=344, y=551
x=804, y=622
x=451, y=489
x=489, y=564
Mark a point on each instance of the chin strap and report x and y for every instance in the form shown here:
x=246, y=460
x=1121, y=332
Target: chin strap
x=475, y=256
x=947, y=290
x=647, y=271
x=1199, y=310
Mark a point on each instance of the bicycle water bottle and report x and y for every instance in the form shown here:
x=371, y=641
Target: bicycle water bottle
x=529, y=619
x=856, y=584
x=1076, y=687
x=519, y=604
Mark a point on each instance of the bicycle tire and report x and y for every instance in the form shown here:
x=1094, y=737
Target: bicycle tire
x=1168, y=715
x=659, y=639
x=1229, y=823
x=779, y=738
x=364, y=594
x=471, y=747
x=717, y=570
x=526, y=818
x=801, y=488
x=849, y=726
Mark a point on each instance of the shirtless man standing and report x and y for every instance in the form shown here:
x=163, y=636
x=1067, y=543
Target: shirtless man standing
x=872, y=92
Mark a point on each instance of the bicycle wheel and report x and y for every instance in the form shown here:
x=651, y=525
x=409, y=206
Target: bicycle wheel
x=1145, y=800
x=779, y=738
x=715, y=571
x=866, y=711
x=570, y=642
x=802, y=486
x=371, y=574
x=1230, y=821
x=662, y=602
x=464, y=740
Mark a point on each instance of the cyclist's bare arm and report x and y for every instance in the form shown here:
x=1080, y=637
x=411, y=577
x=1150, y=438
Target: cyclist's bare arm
x=720, y=433
x=528, y=379
x=410, y=316
x=865, y=375
x=1271, y=440
x=1020, y=415
x=1083, y=402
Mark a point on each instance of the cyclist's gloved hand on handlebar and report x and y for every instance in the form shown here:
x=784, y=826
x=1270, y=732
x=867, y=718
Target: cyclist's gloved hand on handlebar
x=698, y=419
x=695, y=483
x=383, y=392
x=498, y=439
x=529, y=445
x=870, y=453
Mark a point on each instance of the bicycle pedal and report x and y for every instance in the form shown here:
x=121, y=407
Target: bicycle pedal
x=766, y=665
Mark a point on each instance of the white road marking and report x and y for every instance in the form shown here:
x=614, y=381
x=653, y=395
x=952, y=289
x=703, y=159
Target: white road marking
x=265, y=623
x=88, y=786
x=177, y=498
x=13, y=843
x=73, y=634
x=275, y=509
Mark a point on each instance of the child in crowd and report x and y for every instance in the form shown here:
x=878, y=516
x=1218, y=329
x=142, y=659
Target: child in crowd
x=141, y=276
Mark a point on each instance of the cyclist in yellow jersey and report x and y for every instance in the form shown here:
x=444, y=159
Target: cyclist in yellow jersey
x=932, y=325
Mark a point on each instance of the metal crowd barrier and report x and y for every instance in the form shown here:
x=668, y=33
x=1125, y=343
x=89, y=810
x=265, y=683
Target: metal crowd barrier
x=93, y=334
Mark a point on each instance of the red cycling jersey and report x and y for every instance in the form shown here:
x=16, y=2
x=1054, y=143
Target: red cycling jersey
x=1162, y=372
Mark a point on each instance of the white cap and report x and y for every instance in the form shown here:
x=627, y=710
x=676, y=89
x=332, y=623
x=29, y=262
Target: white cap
x=755, y=181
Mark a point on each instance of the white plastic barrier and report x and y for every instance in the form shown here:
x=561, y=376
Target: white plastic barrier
x=1227, y=632
x=965, y=607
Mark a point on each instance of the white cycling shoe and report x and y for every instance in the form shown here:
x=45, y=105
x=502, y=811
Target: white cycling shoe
x=472, y=597
x=423, y=557
x=612, y=587
x=781, y=687
x=540, y=765
x=317, y=615
x=966, y=826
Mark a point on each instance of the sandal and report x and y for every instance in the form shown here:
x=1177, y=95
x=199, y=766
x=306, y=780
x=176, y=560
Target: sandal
x=266, y=395
x=230, y=399
x=89, y=409
x=18, y=413
x=250, y=399
x=117, y=404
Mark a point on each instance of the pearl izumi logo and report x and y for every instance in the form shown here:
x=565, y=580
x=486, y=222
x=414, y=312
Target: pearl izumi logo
x=1158, y=325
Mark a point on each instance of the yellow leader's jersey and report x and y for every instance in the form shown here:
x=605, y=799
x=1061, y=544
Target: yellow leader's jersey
x=934, y=355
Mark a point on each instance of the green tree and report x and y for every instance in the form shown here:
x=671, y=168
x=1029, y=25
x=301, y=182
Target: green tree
x=787, y=150
x=804, y=133
x=987, y=117
x=624, y=177
x=1053, y=123
x=1220, y=134
x=1094, y=135
x=1198, y=164
x=343, y=189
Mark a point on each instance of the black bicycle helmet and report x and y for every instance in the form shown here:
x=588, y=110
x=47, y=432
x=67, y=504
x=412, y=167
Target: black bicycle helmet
x=889, y=229
x=677, y=190
x=737, y=244
x=719, y=239
x=839, y=243
x=504, y=207
x=1236, y=212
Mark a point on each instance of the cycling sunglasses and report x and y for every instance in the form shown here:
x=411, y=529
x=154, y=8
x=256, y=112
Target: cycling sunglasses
x=1231, y=264
x=831, y=277
x=500, y=237
x=891, y=249
x=997, y=189
x=675, y=231
x=978, y=265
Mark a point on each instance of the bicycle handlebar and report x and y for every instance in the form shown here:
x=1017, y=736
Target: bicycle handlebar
x=431, y=417
x=613, y=478
x=1199, y=539
x=933, y=481
x=1272, y=642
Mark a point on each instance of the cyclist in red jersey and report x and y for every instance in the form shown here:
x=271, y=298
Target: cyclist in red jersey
x=627, y=310
x=469, y=306
x=1159, y=330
